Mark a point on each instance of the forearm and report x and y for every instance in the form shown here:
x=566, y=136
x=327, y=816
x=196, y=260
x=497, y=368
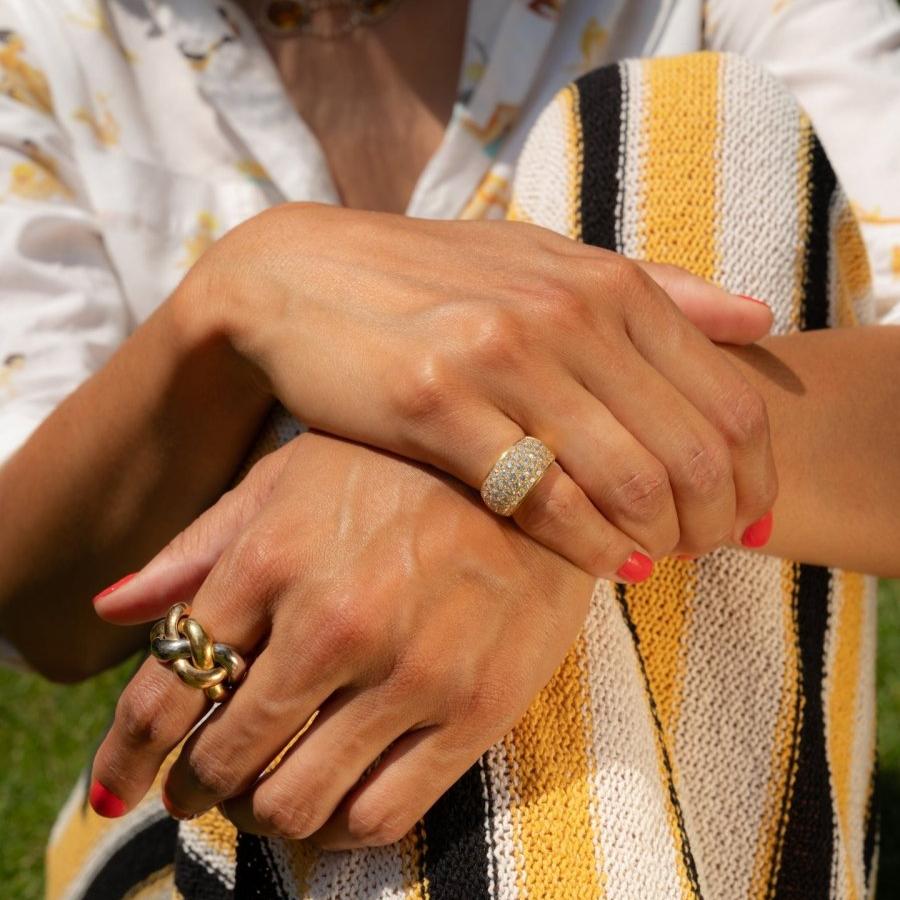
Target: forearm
x=834, y=408
x=121, y=466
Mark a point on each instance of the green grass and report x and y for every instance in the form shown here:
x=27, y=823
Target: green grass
x=48, y=734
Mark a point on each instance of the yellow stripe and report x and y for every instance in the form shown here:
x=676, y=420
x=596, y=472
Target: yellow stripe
x=302, y=856
x=575, y=157
x=412, y=850
x=768, y=844
x=852, y=275
x=803, y=203
x=159, y=884
x=678, y=183
x=659, y=611
x=551, y=792
x=79, y=836
x=841, y=707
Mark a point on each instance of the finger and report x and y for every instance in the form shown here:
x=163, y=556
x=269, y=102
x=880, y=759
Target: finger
x=175, y=574
x=301, y=794
x=725, y=399
x=721, y=316
x=156, y=710
x=695, y=456
x=153, y=715
x=416, y=771
x=624, y=481
x=557, y=513
x=235, y=745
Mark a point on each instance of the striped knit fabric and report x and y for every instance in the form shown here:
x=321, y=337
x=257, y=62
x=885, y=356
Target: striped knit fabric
x=711, y=732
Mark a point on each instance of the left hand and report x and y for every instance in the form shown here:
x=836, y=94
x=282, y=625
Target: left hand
x=370, y=589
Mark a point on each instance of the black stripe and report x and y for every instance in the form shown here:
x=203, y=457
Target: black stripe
x=148, y=851
x=600, y=111
x=256, y=875
x=687, y=855
x=196, y=881
x=822, y=185
x=872, y=816
x=805, y=870
x=456, y=857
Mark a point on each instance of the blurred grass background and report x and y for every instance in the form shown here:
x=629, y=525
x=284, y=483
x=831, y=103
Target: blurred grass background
x=48, y=734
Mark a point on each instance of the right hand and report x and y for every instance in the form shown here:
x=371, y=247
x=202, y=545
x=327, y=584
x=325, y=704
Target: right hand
x=447, y=341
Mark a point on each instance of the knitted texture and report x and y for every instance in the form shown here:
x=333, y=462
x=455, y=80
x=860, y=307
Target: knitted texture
x=711, y=732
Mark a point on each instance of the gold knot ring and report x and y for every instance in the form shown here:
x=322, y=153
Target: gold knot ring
x=180, y=641
x=514, y=475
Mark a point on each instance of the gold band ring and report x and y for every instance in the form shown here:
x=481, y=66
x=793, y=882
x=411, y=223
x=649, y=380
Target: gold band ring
x=180, y=641
x=514, y=475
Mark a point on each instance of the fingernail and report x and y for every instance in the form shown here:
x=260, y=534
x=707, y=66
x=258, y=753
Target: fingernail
x=636, y=568
x=113, y=587
x=104, y=802
x=174, y=811
x=754, y=300
x=758, y=533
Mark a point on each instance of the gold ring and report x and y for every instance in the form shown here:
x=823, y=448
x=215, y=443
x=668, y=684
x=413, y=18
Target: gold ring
x=180, y=641
x=513, y=476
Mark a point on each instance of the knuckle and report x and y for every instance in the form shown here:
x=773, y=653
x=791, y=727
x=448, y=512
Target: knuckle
x=563, y=305
x=423, y=391
x=496, y=340
x=746, y=419
x=644, y=495
x=374, y=827
x=554, y=510
x=257, y=560
x=139, y=715
x=281, y=814
x=347, y=630
x=626, y=276
x=707, y=469
x=209, y=773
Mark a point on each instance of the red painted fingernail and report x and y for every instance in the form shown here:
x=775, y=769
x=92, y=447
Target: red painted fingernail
x=113, y=587
x=174, y=811
x=104, y=802
x=636, y=568
x=754, y=300
x=758, y=533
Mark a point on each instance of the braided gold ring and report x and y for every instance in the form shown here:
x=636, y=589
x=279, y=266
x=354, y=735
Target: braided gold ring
x=180, y=641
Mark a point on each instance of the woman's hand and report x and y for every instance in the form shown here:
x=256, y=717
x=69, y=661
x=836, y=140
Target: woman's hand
x=447, y=341
x=365, y=587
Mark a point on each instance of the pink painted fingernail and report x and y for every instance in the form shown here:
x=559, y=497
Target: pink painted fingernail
x=104, y=802
x=757, y=534
x=636, y=568
x=113, y=587
x=754, y=300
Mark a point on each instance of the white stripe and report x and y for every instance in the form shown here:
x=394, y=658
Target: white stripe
x=759, y=243
x=639, y=855
x=735, y=652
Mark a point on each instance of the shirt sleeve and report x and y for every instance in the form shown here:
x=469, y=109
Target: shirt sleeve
x=61, y=310
x=841, y=59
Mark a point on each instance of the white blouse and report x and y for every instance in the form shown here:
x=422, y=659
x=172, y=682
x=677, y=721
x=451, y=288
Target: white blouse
x=133, y=133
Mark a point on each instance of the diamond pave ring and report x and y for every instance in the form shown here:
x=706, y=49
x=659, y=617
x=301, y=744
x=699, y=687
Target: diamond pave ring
x=513, y=476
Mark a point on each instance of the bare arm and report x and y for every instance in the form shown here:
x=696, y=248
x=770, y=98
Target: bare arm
x=834, y=406
x=124, y=463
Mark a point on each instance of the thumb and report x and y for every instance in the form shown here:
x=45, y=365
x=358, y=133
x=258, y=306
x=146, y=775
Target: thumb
x=723, y=317
x=176, y=573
